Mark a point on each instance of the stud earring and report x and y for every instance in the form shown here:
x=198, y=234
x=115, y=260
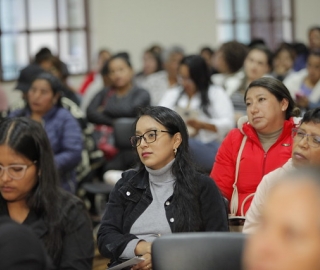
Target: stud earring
x=175, y=151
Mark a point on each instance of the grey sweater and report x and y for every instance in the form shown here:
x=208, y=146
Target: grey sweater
x=153, y=222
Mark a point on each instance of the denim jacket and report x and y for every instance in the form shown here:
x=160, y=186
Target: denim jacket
x=132, y=196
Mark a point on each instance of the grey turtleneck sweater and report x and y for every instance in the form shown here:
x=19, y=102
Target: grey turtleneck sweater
x=153, y=221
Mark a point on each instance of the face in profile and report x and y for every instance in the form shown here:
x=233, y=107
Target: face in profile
x=120, y=74
x=288, y=237
x=256, y=64
x=41, y=98
x=158, y=150
x=265, y=113
x=19, y=177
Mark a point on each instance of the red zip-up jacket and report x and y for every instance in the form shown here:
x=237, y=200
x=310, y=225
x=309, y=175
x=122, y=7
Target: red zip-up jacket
x=254, y=162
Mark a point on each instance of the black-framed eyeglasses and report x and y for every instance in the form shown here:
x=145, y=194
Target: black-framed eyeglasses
x=149, y=137
x=298, y=135
x=16, y=171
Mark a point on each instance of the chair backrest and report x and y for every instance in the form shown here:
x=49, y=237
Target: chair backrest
x=123, y=130
x=205, y=251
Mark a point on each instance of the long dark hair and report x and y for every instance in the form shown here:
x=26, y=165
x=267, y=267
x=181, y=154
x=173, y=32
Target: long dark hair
x=29, y=139
x=185, y=201
x=200, y=75
x=279, y=90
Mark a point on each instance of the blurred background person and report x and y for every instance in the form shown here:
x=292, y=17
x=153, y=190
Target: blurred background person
x=283, y=60
x=304, y=85
x=94, y=81
x=208, y=55
x=122, y=99
x=63, y=130
x=206, y=109
x=30, y=194
x=165, y=80
x=228, y=61
x=152, y=64
x=288, y=237
x=258, y=63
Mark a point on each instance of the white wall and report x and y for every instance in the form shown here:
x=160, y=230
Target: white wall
x=307, y=14
x=133, y=25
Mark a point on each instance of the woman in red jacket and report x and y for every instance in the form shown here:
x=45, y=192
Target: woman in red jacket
x=267, y=142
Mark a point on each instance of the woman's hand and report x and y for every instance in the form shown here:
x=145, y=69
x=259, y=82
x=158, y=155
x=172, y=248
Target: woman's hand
x=144, y=265
x=142, y=248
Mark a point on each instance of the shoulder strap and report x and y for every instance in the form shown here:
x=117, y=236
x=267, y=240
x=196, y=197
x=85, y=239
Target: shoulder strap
x=235, y=198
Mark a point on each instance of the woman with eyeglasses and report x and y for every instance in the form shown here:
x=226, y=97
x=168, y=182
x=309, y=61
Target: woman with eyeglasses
x=163, y=195
x=305, y=153
x=30, y=195
x=206, y=109
x=261, y=143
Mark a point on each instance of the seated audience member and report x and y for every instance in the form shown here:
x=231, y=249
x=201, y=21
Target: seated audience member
x=44, y=62
x=94, y=80
x=228, y=62
x=305, y=151
x=63, y=130
x=304, y=85
x=288, y=237
x=266, y=138
x=122, y=99
x=301, y=54
x=164, y=80
x=206, y=109
x=30, y=195
x=208, y=55
x=152, y=64
x=257, y=64
x=20, y=248
x=283, y=60
x=163, y=195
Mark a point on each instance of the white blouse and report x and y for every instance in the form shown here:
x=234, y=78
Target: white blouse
x=220, y=109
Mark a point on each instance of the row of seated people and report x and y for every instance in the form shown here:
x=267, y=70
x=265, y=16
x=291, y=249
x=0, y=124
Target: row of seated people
x=176, y=198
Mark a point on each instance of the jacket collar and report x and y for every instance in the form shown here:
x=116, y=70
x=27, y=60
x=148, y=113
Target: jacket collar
x=140, y=179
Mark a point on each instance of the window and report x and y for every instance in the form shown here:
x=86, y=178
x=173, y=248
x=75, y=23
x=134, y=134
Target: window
x=244, y=20
x=28, y=25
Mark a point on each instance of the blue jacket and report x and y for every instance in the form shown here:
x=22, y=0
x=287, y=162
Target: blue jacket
x=65, y=137
x=131, y=196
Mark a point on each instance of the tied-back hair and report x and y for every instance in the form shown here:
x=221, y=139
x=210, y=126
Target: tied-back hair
x=54, y=82
x=200, y=75
x=279, y=90
x=185, y=201
x=28, y=138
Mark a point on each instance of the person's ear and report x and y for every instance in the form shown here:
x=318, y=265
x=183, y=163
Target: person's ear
x=284, y=104
x=177, y=139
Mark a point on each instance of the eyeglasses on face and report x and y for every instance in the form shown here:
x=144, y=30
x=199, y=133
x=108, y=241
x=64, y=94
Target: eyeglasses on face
x=298, y=135
x=149, y=137
x=16, y=171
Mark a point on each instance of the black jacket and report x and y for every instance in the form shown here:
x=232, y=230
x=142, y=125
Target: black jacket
x=131, y=197
x=106, y=106
x=78, y=246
